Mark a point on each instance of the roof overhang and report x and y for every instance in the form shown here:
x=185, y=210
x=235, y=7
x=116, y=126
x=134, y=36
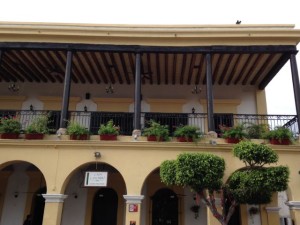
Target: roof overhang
x=241, y=54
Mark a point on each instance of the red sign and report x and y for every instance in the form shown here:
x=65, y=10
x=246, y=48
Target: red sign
x=133, y=207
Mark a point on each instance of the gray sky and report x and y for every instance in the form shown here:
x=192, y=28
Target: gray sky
x=279, y=91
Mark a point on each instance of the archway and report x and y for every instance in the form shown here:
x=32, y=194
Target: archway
x=21, y=183
x=105, y=207
x=165, y=207
x=84, y=201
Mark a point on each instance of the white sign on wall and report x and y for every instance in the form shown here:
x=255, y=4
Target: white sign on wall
x=95, y=179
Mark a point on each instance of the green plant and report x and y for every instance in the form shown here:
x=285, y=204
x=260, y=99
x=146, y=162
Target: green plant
x=39, y=125
x=279, y=133
x=238, y=131
x=109, y=128
x=256, y=131
x=203, y=173
x=157, y=130
x=10, y=125
x=188, y=132
x=75, y=128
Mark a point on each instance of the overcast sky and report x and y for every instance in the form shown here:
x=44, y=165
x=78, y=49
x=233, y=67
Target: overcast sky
x=279, y=91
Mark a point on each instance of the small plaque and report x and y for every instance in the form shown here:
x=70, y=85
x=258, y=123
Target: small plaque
x=133, y=207
x=95, y=179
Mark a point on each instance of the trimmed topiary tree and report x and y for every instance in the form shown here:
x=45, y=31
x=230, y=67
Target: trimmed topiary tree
x=203, y=173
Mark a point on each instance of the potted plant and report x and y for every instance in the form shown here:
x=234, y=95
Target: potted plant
x=234, y=134
x=187, y=133
x=10, y=128
x=279, y=136
x=156, y=131
x=38, y=128
x=108, y=131
x=256, y=131
x=77, y=131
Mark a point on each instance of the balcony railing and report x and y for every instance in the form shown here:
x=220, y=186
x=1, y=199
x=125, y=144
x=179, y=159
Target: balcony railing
x=92, y=120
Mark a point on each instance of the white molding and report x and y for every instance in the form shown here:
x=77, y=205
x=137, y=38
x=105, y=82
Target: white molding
x=54, y=197
x=293, y=204
x=272, y=209
x=133, y=199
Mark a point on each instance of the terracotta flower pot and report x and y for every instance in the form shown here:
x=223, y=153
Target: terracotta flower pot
x=278, y=142
x=34, y=136
x=184, y=139
x=108, y=137
x=154, y=138
x=78, y=137
x=232, y=140
x=9, y=136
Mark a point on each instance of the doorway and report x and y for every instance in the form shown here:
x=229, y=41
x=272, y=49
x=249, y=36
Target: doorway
x=105, y=207
x=165, y=207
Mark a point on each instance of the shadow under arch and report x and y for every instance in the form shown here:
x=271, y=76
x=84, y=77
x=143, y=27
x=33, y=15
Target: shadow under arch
x=105, y=207
x=79, y=207
x=20, y=183
x=164, y=207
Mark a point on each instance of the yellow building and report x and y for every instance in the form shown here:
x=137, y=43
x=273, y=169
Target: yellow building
x=199, y=75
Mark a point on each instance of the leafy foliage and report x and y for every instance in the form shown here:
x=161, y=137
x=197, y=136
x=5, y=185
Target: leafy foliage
x=39, y=125
x=75, y=128
x=157, y=130
x=253, y=184
x=109, y=128
x=256, y=185
x=198, y=170
x=256, y=131
x=10, y=125
x=279, y=133
x=188, y=132
x=254, y=154
x=239, y=132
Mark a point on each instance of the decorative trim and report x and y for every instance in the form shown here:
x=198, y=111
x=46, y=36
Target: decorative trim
x=133, y=199
x=272, y=209
x=54, y=198
x=293, y=204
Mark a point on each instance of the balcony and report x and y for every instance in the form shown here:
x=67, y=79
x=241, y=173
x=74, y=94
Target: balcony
x=92, y=120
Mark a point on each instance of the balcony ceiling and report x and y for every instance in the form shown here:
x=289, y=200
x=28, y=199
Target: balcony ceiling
x=157, y=68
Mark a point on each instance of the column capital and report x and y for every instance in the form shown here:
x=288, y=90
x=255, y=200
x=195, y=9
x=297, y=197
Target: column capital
x=272, y=209
x=54, y=197
x=293, y=204
x=133, y=199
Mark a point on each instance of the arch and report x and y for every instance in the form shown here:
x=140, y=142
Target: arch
x=164, y=207
x=90, y=166
x=78, y=207
x=105, y=207
x=20, y=182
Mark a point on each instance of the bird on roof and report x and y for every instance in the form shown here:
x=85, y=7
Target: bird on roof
x=238, y=22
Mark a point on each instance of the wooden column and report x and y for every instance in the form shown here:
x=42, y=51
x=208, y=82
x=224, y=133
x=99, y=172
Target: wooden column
x=137, y=92
x=296, y=86
x=209, y=94
x=66, y=92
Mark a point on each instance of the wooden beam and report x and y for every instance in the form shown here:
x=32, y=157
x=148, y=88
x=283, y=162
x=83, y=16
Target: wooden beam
x=149, y=68
x=191, y=68
x=174, y=69
x=183, y=68
x=280, y=63
x=224, y=73
x=217, y=68
x=253, y=67
x=116, y=68
x=242, y=71
x=262, y=69
x=166, y=69
x=86, y=57
x=231, y=75
x=99, y=67
x=122, y=59
x=107, y=68
x=157, y=68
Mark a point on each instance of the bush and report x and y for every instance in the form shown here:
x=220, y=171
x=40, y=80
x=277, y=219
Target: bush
x=188, y=132
x=109, y=128
x=157, y=130
x=10, y=125
x=38, y=125
x=75, y=128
